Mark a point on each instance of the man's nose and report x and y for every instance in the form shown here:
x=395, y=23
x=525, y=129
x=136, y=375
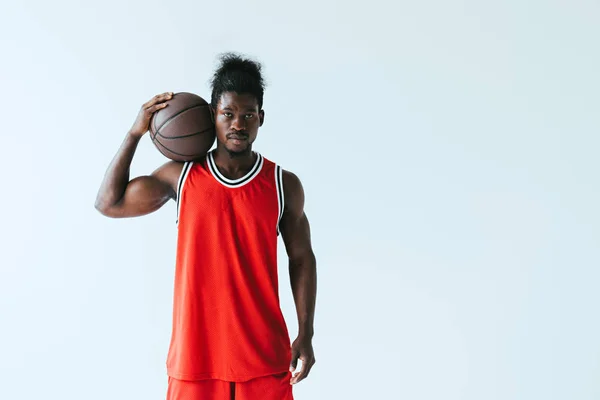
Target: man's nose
x=239, y=123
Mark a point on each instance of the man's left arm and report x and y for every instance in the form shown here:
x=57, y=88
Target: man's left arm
x=295, y=231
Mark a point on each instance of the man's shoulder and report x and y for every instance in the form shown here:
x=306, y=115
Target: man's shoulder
x=291, y=181
x=292, y=188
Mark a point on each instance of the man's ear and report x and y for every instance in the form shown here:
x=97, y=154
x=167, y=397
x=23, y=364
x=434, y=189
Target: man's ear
x=212, y=113
x=261, y=116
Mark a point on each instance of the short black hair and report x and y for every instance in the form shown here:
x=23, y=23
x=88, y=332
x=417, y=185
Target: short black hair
x=237, y=74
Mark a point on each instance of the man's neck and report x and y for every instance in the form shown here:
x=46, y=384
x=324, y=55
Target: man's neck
x=234, y=165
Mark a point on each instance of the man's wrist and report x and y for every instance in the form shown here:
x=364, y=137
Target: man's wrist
x=306, y=332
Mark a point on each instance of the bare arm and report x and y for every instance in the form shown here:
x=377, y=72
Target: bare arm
x=119, y=197
x=295, y=231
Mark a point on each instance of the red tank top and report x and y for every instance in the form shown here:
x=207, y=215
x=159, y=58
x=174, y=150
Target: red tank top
x=227, y=320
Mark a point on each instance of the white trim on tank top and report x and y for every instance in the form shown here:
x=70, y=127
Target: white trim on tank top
x=234, y=183
x=280, y=197
x=187, y=166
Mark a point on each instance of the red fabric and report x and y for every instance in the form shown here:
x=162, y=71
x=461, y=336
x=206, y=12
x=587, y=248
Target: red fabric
x=272, y=387
x=227, y=320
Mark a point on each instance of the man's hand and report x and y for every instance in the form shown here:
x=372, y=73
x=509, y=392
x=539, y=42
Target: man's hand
x=301, y=349
x=142, y=122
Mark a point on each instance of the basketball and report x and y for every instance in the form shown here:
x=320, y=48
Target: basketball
x=184, y=130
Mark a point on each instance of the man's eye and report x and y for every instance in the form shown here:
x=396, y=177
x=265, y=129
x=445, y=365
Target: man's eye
x=227, y=114
x=248, y=116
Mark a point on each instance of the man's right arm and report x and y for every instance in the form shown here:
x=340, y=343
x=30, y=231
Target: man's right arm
x=120, y=197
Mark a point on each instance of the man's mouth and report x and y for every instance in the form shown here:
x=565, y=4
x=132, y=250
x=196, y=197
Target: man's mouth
x=237, y=137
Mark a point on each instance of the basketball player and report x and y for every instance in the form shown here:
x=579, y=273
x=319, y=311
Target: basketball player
x=229, y=338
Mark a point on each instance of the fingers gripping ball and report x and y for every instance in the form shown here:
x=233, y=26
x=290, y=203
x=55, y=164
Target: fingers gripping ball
x=185, y=129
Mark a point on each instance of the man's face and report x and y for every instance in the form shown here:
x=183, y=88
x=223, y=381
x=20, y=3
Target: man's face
x=237, y=119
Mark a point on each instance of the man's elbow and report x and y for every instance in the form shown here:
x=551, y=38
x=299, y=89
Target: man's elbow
x=101, y=208
x=305, y=259
x=105, y=209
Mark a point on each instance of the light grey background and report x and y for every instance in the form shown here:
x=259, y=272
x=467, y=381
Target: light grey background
x=449, y=155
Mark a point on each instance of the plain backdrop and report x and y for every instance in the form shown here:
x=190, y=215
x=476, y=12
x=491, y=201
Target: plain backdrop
x=449, y=154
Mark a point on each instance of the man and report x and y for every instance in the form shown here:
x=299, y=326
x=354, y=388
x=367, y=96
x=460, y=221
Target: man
x=229, y=338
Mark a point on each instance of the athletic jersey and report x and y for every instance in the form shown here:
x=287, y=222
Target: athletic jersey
x=227, y=320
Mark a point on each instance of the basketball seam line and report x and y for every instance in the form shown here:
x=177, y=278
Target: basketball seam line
x=180, y=112
x=171, y=151
x=182, y=136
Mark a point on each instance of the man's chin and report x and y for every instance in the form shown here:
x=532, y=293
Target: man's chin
x=238, y=149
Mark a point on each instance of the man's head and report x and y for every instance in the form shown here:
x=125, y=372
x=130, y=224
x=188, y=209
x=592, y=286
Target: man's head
x=237, y=97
